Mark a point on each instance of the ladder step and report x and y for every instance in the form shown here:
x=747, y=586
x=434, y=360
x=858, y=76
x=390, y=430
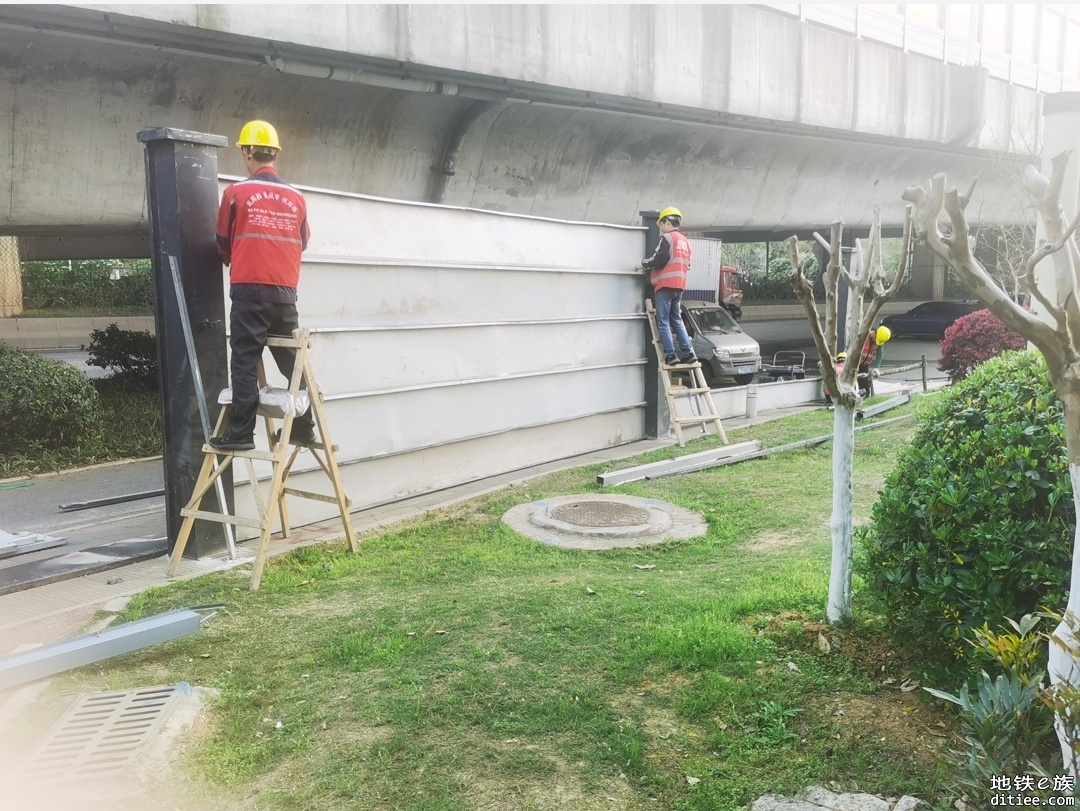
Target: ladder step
x=221, y=518
x=264, y=455
x=679, y=367
x=315, y=496
x=695, y=420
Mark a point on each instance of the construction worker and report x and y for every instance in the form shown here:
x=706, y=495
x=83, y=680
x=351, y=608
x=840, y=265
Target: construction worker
x=668, y=267
x=262, y=229
x=870, y=357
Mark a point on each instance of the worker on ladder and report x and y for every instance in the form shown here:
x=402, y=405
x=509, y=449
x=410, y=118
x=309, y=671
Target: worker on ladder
x=668, y=268
x=262, y=229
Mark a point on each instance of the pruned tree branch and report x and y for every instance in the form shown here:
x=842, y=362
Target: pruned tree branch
x=956, y=252
x=881, y=295
x=805, y=291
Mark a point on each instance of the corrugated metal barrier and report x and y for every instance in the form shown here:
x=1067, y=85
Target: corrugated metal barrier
x=453, y=344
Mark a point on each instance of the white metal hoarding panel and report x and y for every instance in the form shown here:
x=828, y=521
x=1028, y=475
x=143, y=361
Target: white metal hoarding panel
x=369, y=362
x=453, y=344
x=381, y=480
x=704, y=277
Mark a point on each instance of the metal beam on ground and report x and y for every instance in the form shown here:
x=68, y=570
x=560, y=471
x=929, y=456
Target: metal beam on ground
x=72, y=506
x=46, y=661
x=677, y=465
x=878, y=408
x=688, y=464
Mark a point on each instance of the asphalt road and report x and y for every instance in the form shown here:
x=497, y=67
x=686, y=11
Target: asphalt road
x=33, y=505
x=793, y=335
x=77, y=358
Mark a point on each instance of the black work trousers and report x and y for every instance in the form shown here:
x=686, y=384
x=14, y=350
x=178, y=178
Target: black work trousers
x=250, y=324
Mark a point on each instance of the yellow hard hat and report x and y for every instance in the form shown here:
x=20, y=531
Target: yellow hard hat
x=259, y=133
x=841, y=355
x=670, y=211
x=882, y=335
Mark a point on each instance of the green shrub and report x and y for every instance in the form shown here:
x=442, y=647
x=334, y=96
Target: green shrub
x=131, y=354
x=975, y=522
x=87, y=283
x=44, y=404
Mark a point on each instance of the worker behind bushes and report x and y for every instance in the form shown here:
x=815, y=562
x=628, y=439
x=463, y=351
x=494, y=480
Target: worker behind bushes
x=668, y=268
x=262, y=229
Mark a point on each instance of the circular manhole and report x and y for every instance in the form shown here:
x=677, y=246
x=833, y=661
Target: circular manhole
x=600, y=514
x=604, y=521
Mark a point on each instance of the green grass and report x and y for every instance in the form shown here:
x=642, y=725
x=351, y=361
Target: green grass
x=454, y=664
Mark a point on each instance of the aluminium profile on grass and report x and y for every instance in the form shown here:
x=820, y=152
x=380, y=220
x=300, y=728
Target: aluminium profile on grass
x=82, y=650
x=698, y=461
x=679, y=464
x=878, y=408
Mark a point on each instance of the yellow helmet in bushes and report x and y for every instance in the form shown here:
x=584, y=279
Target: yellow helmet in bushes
x=259, y=133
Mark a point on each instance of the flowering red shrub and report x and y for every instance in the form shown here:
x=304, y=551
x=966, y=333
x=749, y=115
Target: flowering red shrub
x=974, y=339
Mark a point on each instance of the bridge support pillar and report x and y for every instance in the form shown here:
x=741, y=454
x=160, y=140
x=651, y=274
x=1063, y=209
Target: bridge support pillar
x=927, y=275
x=1061, y=133
x=11, y=300
x=182, y=202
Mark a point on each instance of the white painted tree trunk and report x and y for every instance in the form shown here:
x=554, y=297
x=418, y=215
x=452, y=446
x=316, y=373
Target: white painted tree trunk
x=1063, y=666
x=841, y=523
x=861, y=278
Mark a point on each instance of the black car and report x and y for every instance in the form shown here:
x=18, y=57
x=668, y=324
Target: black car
x=929, y=320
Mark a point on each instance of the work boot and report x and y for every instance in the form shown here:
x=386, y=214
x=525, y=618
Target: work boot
x=670, y=360
x=303, y=435
x=688, y=361
x=232, y=443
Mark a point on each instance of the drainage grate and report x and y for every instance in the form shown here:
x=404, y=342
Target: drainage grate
x=600, y=514
x=102, y=734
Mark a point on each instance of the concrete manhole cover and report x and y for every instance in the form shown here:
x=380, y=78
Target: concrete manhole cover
x=600, y=514
x=603, y=521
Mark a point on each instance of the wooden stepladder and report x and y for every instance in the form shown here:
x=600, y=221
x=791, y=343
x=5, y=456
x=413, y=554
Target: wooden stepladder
x=690, y=384
x=281, y=454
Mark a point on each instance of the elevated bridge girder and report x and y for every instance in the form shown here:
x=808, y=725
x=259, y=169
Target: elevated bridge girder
x=527, y=130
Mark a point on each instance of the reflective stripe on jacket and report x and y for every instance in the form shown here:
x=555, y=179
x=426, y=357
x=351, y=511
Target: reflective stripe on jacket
x=262, y=229
x=673, y=274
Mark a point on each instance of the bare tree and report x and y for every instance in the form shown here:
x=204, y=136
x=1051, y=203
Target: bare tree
x=863, y=276
x=1059, y=342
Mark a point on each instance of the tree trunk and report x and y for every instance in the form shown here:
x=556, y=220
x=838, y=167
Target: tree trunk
x=841, y=524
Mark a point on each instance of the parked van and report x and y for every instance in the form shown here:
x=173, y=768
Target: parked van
x=719, y=343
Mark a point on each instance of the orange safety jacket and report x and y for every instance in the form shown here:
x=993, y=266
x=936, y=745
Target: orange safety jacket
x=262, y=229
x=869, y=351
x=674, y=273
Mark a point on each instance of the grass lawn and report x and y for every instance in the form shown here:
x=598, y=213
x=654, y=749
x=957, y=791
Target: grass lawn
x=454, y=664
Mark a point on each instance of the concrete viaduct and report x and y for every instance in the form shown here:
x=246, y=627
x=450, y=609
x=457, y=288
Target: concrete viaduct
x=755, y=124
